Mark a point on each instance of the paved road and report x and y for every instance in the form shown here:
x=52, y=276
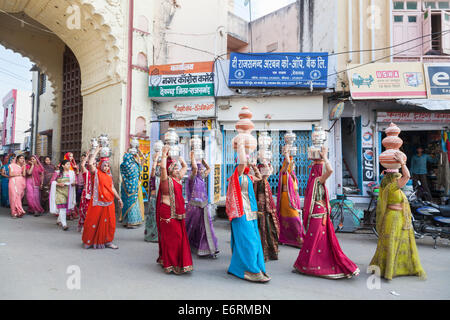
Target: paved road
x=35, y=255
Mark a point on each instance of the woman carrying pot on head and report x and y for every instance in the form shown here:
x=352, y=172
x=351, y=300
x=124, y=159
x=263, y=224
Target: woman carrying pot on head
x=247, y=260
x=321, y=254
x=62, y=194
x=269, y=227
x=174, y=250
x=100, y=223
x=288, y=204
x=396, y=253
x=199, y=225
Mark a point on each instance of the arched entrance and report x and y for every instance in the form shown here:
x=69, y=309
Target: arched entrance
x=41, y=30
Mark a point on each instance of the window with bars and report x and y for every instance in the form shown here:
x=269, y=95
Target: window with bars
x=302, y=142
x=72, y=108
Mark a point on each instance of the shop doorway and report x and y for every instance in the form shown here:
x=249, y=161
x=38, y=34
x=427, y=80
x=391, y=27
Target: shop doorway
x=351, y=162
x=438, y=176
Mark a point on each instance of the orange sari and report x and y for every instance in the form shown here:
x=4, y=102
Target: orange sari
x=100, y=223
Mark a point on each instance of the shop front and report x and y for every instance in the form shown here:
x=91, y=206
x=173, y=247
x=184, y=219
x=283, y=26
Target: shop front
x=183, y=96
x=426, y=130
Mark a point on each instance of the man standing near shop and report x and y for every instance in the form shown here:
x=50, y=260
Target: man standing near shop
x=419, y=170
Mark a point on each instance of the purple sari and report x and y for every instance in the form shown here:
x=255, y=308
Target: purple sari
x=289, y=211
x=199, y=224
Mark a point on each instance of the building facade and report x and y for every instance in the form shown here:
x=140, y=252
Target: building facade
x=16, y=120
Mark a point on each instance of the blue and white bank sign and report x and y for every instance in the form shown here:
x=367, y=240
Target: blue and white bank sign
x=438, y=80
x=278, y=70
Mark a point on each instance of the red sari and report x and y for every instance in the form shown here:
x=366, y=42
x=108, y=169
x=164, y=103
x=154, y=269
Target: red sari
x=74, y=213
x=174, y=250
x=321, y=254
x=100, y=223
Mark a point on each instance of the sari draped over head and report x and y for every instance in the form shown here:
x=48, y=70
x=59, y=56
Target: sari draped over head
x=100, y=223
x=234, y=207
x=196, y=194
x=294, y=198
x=72, y=162
x=130, y=169
x=388, y=183
x=49, y=173
x=38, y=170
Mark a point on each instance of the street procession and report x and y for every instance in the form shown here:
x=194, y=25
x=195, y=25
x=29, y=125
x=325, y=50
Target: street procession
x=225, y=150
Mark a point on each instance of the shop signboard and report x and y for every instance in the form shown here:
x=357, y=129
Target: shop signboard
x=181, y=80
x=284, y=70
x=217, y=179
x=144, y=146
x=413, y=117
x=186, y=109
x=368, y=164
x=387, y=80
x=437, y=76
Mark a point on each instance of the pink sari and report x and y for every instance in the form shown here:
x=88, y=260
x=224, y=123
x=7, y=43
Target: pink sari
x=16, y=187
x=321, y=254
x=289, y=211
x=33, y=188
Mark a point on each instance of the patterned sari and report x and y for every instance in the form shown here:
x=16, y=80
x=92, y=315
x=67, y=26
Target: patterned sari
x=321, y=254
x=132, y=212
x=100, y=223
x=396, y=253
x=269, y=228
x=199, y=225
x=174, y=250
x=289, y=209
x=247, y=260
x=85, y=197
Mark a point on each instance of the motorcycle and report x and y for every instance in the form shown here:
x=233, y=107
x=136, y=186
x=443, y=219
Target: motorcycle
x=430, y=219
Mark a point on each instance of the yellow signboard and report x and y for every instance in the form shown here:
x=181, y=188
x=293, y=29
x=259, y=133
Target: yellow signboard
x=144, y=146
x=387, y=80
x=217, y=179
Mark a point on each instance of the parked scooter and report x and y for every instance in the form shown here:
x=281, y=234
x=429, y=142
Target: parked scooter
x=430, y=219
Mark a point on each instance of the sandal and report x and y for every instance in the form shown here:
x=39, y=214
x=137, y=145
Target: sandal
x=112, y=246
x=66, y=228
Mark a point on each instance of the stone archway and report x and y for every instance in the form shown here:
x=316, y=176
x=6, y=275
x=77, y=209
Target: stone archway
x=93, y=30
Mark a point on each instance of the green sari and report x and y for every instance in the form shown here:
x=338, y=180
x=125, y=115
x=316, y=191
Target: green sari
x=396, y=253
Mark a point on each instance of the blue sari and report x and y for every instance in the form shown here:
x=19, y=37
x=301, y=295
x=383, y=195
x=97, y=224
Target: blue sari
x=247, y=260
x=132, y=212
x=5, y=187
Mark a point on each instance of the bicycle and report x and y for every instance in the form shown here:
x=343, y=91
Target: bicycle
x=337, y=215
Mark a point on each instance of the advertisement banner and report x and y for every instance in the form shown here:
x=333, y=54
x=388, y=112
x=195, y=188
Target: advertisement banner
x=438, y=80
x=413, y=117
x=187, y=110
x=217, y=185
x=182, y=80
x=279, y=70
x=387, y=81
x=144, y=146
x=368, y=164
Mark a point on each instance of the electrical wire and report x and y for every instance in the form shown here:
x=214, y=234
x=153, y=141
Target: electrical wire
x=14, y=63
x=27, y=23
x=13, y=76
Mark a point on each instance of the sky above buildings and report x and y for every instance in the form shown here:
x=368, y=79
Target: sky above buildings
x=14, y=69
x=14, y=73
x=259, y=7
